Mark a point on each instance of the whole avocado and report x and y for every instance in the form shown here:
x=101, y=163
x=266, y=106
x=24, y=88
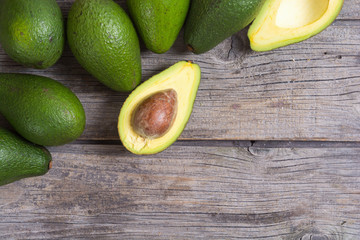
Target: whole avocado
x=20, y=158
x=158, y=21
x=41, y=109
x=32, y=32
x=104, y=41
x=211, y=21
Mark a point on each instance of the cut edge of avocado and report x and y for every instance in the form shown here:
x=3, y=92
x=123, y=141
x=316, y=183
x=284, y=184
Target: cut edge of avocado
x=184, y=78
x=284, y=22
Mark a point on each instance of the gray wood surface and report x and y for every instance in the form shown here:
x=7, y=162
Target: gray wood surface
x=223, y=179
x=103, y=192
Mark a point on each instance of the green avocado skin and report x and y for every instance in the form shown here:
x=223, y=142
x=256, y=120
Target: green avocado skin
x=211, y=21
x=40, y=109
x=104, y=41
x=158, y=21
x=20, y=158
x=32, y=32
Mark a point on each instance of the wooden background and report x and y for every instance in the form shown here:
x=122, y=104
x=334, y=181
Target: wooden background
x=271, y=150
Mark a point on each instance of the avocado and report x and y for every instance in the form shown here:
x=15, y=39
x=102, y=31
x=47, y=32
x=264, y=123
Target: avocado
x=40, y=109
x=20, y=158
x=155, y=113
x=104, y=41
x=211, y=21
x=283, y=22
x=32, y=32
x=158, y=21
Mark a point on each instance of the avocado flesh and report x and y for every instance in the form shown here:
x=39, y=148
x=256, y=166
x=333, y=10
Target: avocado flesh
x=20, y=158
x=283, y=22
x=41, y=109
x=210, y=22
x=104, y=41
x=184, y=78
x=32, y=32
x=158, y=21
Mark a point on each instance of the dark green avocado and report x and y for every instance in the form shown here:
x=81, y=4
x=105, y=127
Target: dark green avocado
x=32, y=32
x=104, y=41
x=41, y=109
x=158, y=21
x=211, y=21
x=20, y=158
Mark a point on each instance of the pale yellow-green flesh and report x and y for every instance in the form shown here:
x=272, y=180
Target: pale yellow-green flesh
x=282, y=22
x=184, y=78
x=299, y=13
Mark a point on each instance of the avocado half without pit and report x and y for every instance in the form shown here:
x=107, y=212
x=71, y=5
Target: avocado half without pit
x=283, y=22
x=155, y=113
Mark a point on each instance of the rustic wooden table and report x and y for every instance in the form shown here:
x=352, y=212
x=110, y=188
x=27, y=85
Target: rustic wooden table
x=271, y=151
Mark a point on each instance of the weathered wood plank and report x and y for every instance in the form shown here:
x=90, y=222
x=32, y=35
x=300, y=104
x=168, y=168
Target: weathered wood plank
x=350, y=10
x=104, y=192
x=307, y=91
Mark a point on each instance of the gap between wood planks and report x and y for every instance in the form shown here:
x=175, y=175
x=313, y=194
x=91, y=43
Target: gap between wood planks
x=244, y=143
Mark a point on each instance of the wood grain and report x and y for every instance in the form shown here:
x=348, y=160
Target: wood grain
x=104, y=192
x=213, y=183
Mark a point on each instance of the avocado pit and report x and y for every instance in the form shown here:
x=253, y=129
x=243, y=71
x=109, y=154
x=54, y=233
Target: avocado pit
x=155, y=115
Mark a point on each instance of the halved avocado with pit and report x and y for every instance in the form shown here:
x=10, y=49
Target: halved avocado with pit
x=156, y=112
x=283, y=22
